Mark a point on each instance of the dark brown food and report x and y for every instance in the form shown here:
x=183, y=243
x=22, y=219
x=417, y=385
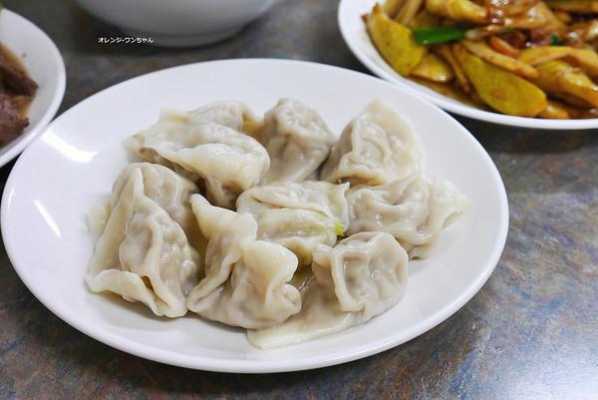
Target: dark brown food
x=16, y=92
x=16, y=80
x=11, y=121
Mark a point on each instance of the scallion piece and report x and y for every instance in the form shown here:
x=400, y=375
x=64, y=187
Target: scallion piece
x=438, y=34
x=555, y=40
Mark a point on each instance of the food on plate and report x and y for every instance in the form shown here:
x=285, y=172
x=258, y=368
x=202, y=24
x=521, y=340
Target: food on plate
x=433, y=69
x=167, y=188
x=17, y=90
x=564, y=80
x=299, y=216
x=375, y=148
x=246, y=282
x=209, y=146
x=503, y=90
x=414, y=210
x=361, y=277
x=143, y=254
x=234, y=114
x=277, y=251
x=527, y=58
x=395, y=42
x=297, y=139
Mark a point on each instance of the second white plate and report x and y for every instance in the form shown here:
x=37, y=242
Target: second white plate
x=356, y=36
x=45, y=66
x=61, y=176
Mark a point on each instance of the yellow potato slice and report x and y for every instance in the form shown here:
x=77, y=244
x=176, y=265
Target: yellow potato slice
x=586, y=59
x=542, y=14
x=433, y=69
x=542, y=54
x=486, y=53
x=563, y=16
x=502, y=46
x=500, y=89
x=392, y=7
x=394, y=42
x=408, y=11
x=537, y=17
x=572, y=101
x=447, y=54
x=501, y=9
x=561, y=78
x=449, y=91
x=424, y=20
x=459, y=10
x=574, y=6
x=555, y=110
x=586, y=30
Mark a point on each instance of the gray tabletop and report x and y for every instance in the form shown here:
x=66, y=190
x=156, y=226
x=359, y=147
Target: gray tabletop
x=530, y=333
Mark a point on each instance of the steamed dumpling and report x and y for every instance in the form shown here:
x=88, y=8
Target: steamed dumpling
x=297, y=139
x=208, y=146
x=143, y=254
x=375, y=148
x=168, y=189
x=299, y=216
x=367, y=270
x=360, y=278
x=258, y=294
x=233, y=114
x=225, y=231
x=414, y=210
x=247, y=280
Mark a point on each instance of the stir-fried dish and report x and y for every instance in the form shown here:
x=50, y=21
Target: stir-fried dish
x=526, y=58
x=17, y=90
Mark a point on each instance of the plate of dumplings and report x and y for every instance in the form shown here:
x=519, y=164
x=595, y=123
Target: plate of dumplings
x=254, y=216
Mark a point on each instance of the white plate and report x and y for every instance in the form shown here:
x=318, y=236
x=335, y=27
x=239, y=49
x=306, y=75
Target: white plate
x=61, y=176
x=45, y=66
x=355, y=35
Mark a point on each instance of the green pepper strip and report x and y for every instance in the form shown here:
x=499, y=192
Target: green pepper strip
x=438, y=34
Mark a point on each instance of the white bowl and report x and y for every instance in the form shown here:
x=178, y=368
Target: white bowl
x=178, y=23
x=43, y=216
x=356, y=37
x=44, y=64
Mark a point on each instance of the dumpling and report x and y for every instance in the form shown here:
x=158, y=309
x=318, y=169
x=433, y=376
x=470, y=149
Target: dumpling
x=234, y=114
x=225, y=231
x=298, y=215
x=168, y=189
x=414, y=210
x=320, y=315
x=297, y=139
x=200, y=145
x=258, y=294
x=143, y=254
x=367, y=270
x=247, y=280
x=375, y=148
x=321, y=197
x=361, y=277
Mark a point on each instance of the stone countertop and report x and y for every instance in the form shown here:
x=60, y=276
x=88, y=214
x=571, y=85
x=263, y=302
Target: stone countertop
x=530, y=333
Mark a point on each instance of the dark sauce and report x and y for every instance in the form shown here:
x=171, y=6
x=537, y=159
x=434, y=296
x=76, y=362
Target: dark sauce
x=17, y=90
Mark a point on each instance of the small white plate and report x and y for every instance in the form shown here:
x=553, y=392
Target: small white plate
x=45, y=66
x=355, y=35
x=61, y=176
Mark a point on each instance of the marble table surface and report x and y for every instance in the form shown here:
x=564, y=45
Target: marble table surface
x=530, y=333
